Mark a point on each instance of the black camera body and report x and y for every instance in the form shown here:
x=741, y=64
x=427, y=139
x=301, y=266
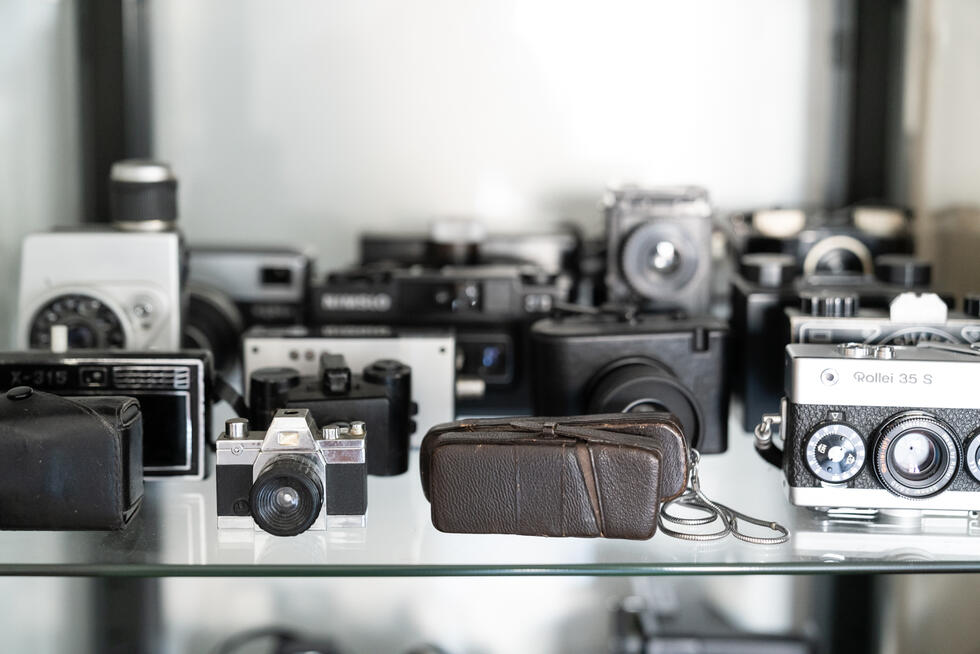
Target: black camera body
x=173, y=390
x=845, y=241
x=658, y=248
x=69, y=462
x=234, y=288
x=490, y=308
x=380, y=397
x=768, y=284
x=605, y=364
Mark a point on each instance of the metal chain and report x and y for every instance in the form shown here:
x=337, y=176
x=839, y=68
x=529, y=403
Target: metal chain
x=694, y=498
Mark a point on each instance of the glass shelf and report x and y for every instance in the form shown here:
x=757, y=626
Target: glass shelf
x=175, y=534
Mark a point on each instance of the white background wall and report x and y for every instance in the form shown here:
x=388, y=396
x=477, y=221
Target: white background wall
x=312, y=120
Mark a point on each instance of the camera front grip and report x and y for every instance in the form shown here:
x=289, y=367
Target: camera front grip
x=764, y=444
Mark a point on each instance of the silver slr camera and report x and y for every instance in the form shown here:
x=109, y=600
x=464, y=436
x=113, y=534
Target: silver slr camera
x=292, y=477
x=879, y=427
x=112, y=287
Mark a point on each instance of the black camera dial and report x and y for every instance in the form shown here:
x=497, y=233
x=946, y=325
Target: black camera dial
x=91, y=323
x=973, y=454
x=916, y=455
x=834, y=452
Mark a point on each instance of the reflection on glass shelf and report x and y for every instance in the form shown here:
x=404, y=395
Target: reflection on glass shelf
x=176, y=534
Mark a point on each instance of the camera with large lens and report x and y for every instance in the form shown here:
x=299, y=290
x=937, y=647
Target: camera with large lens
x=658, y=247
x=292, y=477
x=231, y=289
x=113, y=287
x=845, y=241
x=611, y=363
x=880, y=427
x=768, y=284
x=380, y=397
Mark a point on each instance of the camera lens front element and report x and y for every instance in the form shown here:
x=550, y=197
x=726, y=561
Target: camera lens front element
x=90, y=323
x=287, y=497
x=658, y=259
x=835, y=453
x=917, y=455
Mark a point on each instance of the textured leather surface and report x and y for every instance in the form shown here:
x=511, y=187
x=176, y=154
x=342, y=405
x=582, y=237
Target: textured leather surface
x=69, y=463
x=654, y=430
x=586, y=476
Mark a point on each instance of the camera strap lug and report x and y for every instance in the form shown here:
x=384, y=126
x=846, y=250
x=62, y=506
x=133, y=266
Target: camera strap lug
x=764, y=439
x=695, y=499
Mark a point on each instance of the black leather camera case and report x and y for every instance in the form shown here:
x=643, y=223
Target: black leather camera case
x=69, y=462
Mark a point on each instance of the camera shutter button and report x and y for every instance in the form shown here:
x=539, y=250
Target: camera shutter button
x=20, y=393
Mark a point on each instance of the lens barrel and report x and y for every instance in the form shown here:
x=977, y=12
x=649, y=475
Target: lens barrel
x=287, y=496
x=916, y=455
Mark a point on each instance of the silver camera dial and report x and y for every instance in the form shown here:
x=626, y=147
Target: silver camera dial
x=835, y=452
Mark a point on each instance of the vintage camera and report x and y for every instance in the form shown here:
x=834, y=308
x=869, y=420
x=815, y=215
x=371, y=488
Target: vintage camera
x=113, y=287
x=466, y=242
x=380, y=397
x=172, y=388
x=292, y=477
x=880, y=427
x=658, y=247
x=769, y=283
x=839, y=242
x=232, y=289
x=430, y=353
x=489, y=307
x=827, y=317
x=608, y=363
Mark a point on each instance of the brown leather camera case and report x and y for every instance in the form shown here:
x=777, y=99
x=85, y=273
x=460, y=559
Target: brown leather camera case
x=589, y=476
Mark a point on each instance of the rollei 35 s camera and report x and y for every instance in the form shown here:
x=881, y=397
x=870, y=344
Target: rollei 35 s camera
x=292, y=477
x=658, y=247
x=114, y=287
x=879, y=427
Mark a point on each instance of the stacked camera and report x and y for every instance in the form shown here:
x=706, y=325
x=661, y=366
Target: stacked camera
x=337, y=376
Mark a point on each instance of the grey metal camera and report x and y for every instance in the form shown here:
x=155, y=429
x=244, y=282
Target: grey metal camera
x=879, y=427
x=658, y=243
x=113, y=287
x=911, y=318
x=292, y=477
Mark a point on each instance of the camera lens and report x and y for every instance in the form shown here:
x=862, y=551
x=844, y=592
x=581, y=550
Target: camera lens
x=665, y=259
x=90, y=323
x=287, y=496
x=639, y=385
x=213, y=323
x=658, y=259
x=916, y=455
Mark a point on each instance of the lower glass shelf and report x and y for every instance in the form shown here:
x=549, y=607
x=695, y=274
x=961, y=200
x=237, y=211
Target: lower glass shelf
x=176, y=534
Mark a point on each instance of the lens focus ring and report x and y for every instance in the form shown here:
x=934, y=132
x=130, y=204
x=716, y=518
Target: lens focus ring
x=916, y=455
x=287, y=497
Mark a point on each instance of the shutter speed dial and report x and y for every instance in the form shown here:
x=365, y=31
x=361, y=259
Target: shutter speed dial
x=835, y=453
